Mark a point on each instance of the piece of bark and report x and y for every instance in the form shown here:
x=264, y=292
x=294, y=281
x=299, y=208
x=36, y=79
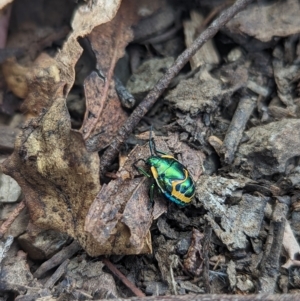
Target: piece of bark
x=236, y=222
x=261, y=15
x=237, y=126
x=57, y=274
x=269, y=147
x=208, y=53
x=43, y=245
x=271, y=262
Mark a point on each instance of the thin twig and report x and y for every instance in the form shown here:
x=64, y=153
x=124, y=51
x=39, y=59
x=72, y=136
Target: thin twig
x=124, y=132
x=128, y=283
x=236, y=128
x=5, y=226
x=212, y=15
x=61, y=270
x=57, y=259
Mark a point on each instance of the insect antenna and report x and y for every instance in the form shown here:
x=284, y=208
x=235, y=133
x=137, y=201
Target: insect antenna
x=151, y=142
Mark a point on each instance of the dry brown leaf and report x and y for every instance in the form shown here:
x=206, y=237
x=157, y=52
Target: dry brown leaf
x=119, y=218
x=58, y=176
x=103, y=102
x=50, y=78
x=121, y=215
x=104, y=114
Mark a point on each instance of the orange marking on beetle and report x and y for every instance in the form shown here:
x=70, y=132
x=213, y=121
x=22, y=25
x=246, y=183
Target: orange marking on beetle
x=178, y=194
x=154, y=172
x=168, y=157
x=175, y=193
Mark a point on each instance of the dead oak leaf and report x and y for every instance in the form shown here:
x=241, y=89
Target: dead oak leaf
x=58, y=177
x=119, y=218
x=121, y=215
x=105, y=104
x=50, y=78
x=104, y=114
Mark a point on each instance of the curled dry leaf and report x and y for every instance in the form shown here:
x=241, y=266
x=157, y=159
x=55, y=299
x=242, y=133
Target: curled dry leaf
x=58, y=176
x=104, y=114
x=50, y=78
x=121, y=215
x=104, y=104
x=119, y=218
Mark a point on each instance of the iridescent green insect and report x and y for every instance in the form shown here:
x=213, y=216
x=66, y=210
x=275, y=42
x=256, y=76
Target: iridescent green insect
x=172, y=178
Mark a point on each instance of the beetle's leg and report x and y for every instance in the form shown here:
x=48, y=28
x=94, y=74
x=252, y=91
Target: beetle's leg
x=142, y=171
x=151, y=192
x=135, y=162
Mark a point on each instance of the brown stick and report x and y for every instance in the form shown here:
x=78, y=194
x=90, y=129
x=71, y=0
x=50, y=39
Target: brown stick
x=128, y=283
x=124, y=132
x=5, y=226
x=57, y=259
x=57, y=274
x=236, y=129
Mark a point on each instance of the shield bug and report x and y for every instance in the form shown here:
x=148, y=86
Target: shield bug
x=172, y=177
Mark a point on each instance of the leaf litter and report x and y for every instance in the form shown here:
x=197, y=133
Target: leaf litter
x=246, y=172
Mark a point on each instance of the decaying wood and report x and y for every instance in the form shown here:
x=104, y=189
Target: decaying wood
x=237, y=126
x=270, y=263
x=57, y=274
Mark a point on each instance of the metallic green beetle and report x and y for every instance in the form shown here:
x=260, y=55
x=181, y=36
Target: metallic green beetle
x=172, y=178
